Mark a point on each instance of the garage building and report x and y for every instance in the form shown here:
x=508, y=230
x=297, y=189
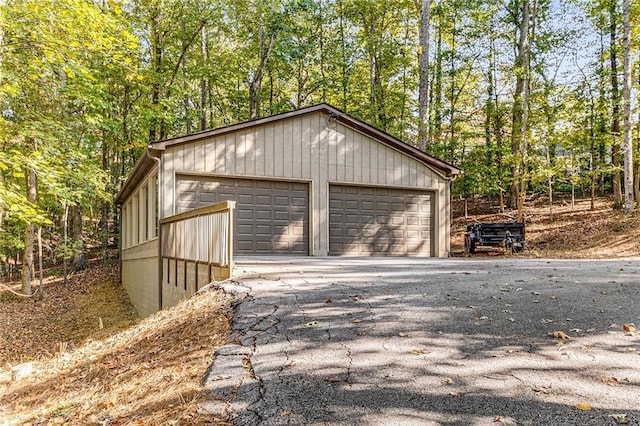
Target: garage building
x=314, y=181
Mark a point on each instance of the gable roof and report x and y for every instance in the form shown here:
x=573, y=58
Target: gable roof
x=146, y=163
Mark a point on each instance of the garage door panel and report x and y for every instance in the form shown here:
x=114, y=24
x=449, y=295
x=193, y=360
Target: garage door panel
x=245, y=199
x=351, y=205
x=368, y=231
x=263, y=229
x=367, y=218
x=263, y=200
x=264, y=215
x=351, y=218
x=245, y=229
x=245, y=214
x=367, y=205
x=271, y=216
x=300, y=201
x=246, y=183
x=379, y=221
x=382, y=219
x=412, y=208
x=280, y=215
x=413, y=220
x=412, y=235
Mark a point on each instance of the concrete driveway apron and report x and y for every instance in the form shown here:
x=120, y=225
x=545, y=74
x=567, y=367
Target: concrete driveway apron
x=324, y=341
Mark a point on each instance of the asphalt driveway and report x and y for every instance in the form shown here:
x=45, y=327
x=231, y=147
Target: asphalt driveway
x=431, y=342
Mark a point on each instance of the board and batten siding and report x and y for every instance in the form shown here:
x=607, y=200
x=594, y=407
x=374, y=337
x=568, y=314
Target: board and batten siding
x=310, y=148
x=139, y=246
x=140, y=276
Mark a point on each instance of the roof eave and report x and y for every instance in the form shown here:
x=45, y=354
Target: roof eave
x=144, y=165
x=443, y=167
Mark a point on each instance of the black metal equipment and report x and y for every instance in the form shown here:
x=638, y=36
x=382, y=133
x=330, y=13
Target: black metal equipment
x=509, y=235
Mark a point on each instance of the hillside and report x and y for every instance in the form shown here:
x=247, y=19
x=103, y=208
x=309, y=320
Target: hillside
x=81, y=357
x=564, y=231
x=61, y=367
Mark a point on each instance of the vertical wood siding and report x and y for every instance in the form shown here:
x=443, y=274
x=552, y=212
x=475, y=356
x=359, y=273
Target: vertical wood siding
x=314, y=148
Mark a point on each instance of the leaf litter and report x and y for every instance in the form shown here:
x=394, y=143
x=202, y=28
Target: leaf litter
x=107, y=377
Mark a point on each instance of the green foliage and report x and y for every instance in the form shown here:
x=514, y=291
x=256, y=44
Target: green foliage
x=85, y=85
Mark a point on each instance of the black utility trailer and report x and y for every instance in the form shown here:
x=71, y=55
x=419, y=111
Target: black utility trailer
x=509, y=235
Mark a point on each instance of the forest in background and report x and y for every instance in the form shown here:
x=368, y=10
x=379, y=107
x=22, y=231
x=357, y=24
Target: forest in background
x=523, y=95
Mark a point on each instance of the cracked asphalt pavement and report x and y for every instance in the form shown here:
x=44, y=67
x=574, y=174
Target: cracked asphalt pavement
x=401, y=341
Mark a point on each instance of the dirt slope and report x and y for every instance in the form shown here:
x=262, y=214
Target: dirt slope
x=563, y=231
x=145, y=373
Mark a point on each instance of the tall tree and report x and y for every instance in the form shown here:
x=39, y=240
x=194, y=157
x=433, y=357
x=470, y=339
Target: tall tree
x=626, y=92
x=615, y=102
x=425, y=29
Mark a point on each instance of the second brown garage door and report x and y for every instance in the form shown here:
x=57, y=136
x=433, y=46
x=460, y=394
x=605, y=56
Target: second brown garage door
x=372, y=221
x=271, y=216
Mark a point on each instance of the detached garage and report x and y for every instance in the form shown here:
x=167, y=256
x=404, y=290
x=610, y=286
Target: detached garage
x=315, y=181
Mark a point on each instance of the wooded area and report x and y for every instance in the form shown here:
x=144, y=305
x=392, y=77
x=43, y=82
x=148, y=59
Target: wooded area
x=523, y=95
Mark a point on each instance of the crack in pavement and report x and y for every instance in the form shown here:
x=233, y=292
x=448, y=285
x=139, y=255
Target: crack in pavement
x=351, y=349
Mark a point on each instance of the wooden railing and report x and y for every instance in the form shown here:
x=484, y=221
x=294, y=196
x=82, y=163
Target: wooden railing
x=197, y=246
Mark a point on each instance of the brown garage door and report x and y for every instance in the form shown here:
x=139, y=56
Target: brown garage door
x=369, y=221
x=271, y=216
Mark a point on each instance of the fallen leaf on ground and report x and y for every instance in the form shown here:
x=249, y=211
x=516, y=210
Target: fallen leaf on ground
x=417, y=352
x=560, y=335
x=583, y=406
x=543, y=389
x=629, y=328
x=620, y=419
x=611, y=381
x=497, y=419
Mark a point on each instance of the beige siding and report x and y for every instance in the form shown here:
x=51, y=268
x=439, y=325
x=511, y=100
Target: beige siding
x=140, y=276
x=310, y=148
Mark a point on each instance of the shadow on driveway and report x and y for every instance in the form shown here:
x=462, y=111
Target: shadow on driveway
x=432, y=342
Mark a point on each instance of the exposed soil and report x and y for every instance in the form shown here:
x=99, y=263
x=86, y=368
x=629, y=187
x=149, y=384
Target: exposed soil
x=566, y=230
x=127, y=372
x=92, y=305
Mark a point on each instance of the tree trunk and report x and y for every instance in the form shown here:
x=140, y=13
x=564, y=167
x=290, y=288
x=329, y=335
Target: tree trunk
x=626, y=92
x=79, y=260
x=518, y=107
x=203, y=79
x=423, y=96
x=267, y=41
x=185, y=88
x=156, y=49
x=29, y=236
x=41, y=273
x=344, y=66
x=497, y=122
x=436, y=137
x=65, y=244
x=323, y=77
x=525, y=103
x=615, y=110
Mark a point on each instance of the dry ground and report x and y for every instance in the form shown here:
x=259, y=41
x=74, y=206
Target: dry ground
x=81, y=357
x=145, y=373
x=565, y=231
